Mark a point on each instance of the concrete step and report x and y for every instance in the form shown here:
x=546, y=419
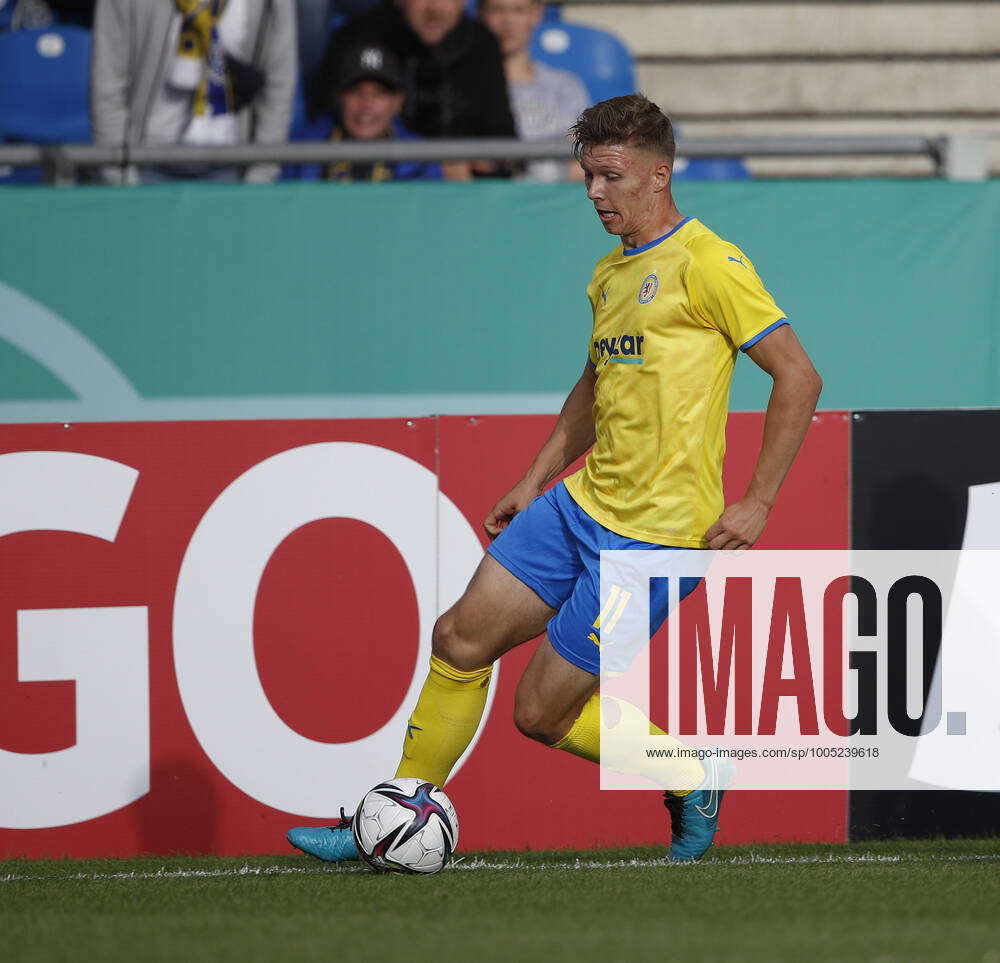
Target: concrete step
x=797, y=29
x=845, y=166
x=901, y=88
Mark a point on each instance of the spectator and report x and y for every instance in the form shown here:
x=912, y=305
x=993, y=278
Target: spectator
x=453, y=76
x=192, y=72
x=370, y=97
x=546, y=101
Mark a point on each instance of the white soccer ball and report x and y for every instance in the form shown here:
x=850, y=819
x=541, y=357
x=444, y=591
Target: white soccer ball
x=405, y=826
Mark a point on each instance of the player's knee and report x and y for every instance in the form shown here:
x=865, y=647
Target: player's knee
x=452, y=646
x=537, y=722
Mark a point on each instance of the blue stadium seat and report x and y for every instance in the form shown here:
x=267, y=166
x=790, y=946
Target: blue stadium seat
x=44, y=85
x=710, y=169
x=597, y=57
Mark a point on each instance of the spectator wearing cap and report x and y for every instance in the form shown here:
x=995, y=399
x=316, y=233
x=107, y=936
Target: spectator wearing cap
x=546, y=102
x=369, y=97
x=453, y=79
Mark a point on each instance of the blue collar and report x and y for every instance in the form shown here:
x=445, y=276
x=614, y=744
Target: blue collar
x=659, y=240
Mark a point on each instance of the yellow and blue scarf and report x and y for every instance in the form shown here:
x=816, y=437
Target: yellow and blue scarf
x=200, y=45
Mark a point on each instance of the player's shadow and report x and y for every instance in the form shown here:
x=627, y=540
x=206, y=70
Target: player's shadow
x=180, y=813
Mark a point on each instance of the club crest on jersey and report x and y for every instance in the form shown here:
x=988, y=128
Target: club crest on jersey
x=650, y=285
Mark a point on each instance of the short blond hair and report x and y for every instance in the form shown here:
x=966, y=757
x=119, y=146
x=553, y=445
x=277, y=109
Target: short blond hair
x=632, y=121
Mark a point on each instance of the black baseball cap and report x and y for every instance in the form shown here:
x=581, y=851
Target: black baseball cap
x=370, y=61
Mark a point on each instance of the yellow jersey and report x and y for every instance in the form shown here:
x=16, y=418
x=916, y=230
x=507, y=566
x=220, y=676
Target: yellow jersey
x=669, y=319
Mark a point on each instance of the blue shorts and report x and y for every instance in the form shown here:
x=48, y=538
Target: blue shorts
x=554, y=547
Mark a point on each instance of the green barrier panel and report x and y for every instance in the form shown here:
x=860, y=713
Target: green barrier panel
x=196, y=293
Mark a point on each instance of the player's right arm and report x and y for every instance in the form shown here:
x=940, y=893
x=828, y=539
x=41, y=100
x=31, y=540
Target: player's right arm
x=571, y=437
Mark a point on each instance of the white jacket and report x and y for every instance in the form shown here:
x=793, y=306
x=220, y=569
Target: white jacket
x=133, y=47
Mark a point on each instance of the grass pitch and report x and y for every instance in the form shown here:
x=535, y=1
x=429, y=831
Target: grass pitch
x=890, y=901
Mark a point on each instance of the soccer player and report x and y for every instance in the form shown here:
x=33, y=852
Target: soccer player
x=673, y=304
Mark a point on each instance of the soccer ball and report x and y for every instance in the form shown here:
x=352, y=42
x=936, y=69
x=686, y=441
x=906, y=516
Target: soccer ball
x=405, y=826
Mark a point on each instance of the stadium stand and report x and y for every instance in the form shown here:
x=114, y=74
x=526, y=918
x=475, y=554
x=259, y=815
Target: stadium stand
x=784, y=68
x=806, y=67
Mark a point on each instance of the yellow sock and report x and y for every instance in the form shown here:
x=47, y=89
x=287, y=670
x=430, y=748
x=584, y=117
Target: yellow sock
x=444, y=721
x=679, y=775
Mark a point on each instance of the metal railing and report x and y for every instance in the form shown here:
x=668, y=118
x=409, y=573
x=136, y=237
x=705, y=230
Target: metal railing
x=955, y=156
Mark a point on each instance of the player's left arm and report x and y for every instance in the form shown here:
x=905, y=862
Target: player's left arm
x=789, y=412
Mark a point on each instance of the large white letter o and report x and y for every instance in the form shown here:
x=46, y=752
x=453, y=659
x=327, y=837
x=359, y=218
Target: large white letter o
x=217, y=590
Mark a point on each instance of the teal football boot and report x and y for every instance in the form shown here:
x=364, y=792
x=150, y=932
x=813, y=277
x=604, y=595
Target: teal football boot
x=332, y=844
x=694, y=818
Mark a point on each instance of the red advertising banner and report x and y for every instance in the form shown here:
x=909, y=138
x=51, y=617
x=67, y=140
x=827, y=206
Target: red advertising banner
x=212, y=631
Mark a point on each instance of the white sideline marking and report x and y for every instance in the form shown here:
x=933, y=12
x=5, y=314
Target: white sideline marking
x=474, y=864
x=179, y=874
